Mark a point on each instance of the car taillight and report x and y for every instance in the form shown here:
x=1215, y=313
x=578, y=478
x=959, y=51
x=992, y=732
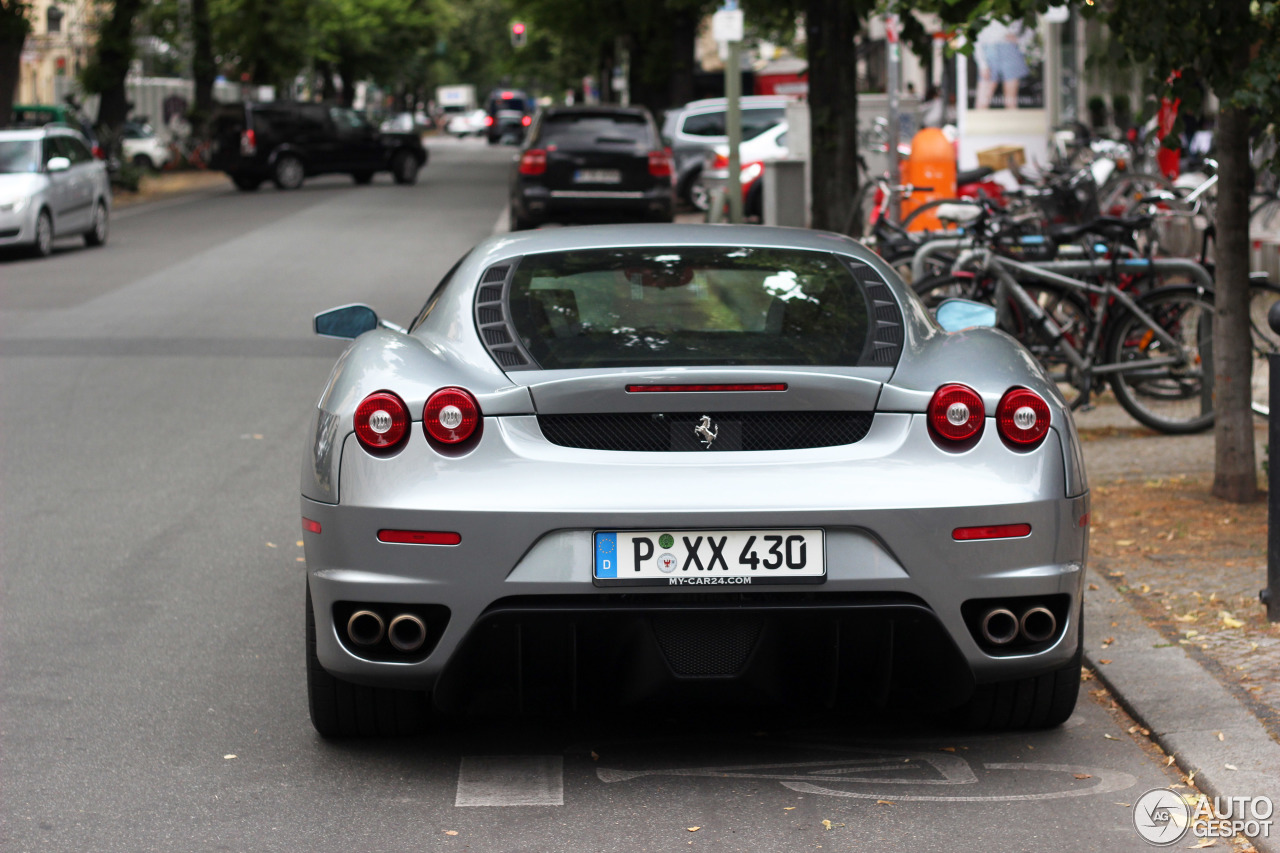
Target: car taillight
x=659, y=164
x=451, y=416
x=1022, y=418
x=956, y=414
x=488, y=121
x=248, y=143
x=526, y=120
x=720, y=162
x=533, y=162
x=382, y=421
x=98, y=153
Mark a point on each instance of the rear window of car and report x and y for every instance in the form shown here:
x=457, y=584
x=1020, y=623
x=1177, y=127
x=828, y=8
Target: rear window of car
x=689, y=306
x=599, y=128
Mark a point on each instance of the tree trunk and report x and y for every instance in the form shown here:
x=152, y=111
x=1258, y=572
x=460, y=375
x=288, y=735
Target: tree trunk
x=328, y=87
x=347, y=72
x=203, y=68
x=833, y=110
x=684, y=31
x=1235, y=476
x=114, y=54
x=13, y=33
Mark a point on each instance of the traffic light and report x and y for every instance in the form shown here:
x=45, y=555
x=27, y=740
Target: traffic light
x=517, y=34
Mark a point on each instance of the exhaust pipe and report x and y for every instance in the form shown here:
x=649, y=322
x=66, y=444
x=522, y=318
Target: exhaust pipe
x=1038, y=624
x=407, y=632
x=365, y=628
x=999, y=626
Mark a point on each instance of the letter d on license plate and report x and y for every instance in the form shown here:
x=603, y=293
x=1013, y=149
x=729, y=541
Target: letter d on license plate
x=708, y=557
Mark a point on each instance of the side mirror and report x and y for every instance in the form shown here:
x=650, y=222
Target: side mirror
x=347, y=321
x=58, y=164
x=956, y=314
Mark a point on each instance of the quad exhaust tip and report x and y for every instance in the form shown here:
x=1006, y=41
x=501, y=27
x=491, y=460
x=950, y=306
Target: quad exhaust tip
x=407, y=632
x=1038, y=624
x=999, y=626
x=365, y=628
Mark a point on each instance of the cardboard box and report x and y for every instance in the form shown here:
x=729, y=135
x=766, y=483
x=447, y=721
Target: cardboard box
x=1003, y=157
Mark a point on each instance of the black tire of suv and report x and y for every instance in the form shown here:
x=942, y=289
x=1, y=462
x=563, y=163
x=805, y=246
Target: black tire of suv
x=362, y=178
x=142, y=161
x=341, y=709
x=520, y=223
x=404, y=167
x=288, y=172
x=1038, y=702
x=246, y=183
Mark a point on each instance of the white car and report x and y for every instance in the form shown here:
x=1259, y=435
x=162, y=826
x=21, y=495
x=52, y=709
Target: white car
x=142, y=147
x=467, y=124
x=51, y=186
x=752, y=155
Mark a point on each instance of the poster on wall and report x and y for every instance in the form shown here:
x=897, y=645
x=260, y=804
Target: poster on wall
x=1006, y=70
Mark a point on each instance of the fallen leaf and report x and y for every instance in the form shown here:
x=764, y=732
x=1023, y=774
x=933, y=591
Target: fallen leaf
x=1231, y=767
x=1104, y=660
x=1126, y=805
x=885, y=803
x=299, y=543
x=229, y=756
x=1124, y=542
x=1108, y=641
x=826, y=824
x=1170, y=761
x=1220, y=736
x=1111, y=737
x=1083, y=775
x=1192, y=778
x=1202, y=843
x=451, y=832
x=1093, y=587
x=299, y=559
x=595, y=756
x=1230, y=621
x=948, y=749
x=694, y=828
x=271, y=544
x=1186, y=617
x=788, y=808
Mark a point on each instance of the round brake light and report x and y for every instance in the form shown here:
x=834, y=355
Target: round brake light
x=451, y=416
x=956, y=413
x=1022, y=418
x=382, y=421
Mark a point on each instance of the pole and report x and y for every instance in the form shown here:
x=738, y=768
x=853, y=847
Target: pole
x=895, y=82
x=1271, y=595
x=733, y=121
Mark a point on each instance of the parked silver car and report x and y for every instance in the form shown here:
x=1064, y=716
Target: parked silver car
x=615, y=464
x=51, y=186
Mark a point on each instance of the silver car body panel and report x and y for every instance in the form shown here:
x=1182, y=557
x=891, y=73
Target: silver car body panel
x=525, y=508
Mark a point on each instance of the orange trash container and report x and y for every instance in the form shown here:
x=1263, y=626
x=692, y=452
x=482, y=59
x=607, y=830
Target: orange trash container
x=932, y=164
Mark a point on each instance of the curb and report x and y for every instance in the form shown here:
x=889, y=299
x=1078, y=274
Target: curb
x=160, y=190
x=1183, y=705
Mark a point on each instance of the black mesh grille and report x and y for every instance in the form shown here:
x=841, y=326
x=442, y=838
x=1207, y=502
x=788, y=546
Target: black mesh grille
x=494, y=274
x=490, y=293
x=496, y=336
x=490, y=315
x=733, y=430
x=707, y=644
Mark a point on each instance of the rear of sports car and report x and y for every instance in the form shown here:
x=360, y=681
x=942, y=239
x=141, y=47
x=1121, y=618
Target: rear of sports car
x=612, y=466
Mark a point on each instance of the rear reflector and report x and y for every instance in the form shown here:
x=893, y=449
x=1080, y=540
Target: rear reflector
x=667, y=389
x=418, y=537
x=310, y=526
x=995, y=531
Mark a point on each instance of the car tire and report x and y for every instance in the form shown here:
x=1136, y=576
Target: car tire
x=404, y=168
x=142, y=161
x=362, y=178
x=521, y=223
x=43, y=245
x=100, y=227
x=1038, y=702
x=246, y=183
x=288, y=172
x=341, y=709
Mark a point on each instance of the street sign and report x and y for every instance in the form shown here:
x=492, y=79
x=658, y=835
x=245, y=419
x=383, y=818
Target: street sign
x=726, y=25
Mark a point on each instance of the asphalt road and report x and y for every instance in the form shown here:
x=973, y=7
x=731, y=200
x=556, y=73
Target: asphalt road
x=153, y=399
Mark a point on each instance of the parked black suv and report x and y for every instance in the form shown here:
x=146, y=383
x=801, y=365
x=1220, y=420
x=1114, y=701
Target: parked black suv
x=288, y=141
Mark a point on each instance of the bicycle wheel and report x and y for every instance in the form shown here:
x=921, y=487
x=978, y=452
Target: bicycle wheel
x=1262, y=295
x=1071, y=313
x=933, y=289
x=1264, y=214
x=1120, y=195
x=1169, y=398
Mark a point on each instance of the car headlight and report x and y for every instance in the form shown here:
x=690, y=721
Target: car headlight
x=13, y=205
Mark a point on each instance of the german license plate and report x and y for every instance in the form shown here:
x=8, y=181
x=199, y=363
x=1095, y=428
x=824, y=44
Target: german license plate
x=708, y=557
x=597, y=176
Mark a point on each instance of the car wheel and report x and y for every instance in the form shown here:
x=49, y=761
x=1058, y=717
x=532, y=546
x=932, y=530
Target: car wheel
x=1038, y=702
x=43, y=245
x=98, y=229
x=404, y=168
x=341, y=709
x=246, y=183
x=142, y=161
x=521, y=223
x=288, y=172
x=362, y=178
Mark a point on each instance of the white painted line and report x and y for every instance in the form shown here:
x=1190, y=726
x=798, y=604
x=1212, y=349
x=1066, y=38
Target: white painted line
x=510, y=780
x=503, y=223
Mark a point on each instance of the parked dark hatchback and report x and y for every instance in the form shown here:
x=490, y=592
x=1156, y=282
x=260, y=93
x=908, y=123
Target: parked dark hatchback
x=597, y=163
x=287, y=142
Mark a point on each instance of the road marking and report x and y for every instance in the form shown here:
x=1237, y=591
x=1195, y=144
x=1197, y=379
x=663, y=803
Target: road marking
x=503, y=223
x=510, y=780
x=1109, y=781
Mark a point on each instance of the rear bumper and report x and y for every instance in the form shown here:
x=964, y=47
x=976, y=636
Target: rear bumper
x=539, y=202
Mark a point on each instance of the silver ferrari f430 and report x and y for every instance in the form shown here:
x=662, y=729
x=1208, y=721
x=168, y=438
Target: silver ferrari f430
x=616, y=465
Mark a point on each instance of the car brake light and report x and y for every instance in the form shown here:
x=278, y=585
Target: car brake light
x=533, y=162
x=418, y=537
x=382, y=421
x=526, y=120
x=659, y=164
x=956, y=414
x=720, y=162
x=488, y=121
x=248, y=143
x=451, y=416
x=98, y=153
x=1022, y=418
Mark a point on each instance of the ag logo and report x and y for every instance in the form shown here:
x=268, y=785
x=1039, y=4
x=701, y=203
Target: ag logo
x=1161, y=817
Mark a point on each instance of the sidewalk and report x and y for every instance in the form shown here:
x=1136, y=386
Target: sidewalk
x=164, y=184
x=1173, y=626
